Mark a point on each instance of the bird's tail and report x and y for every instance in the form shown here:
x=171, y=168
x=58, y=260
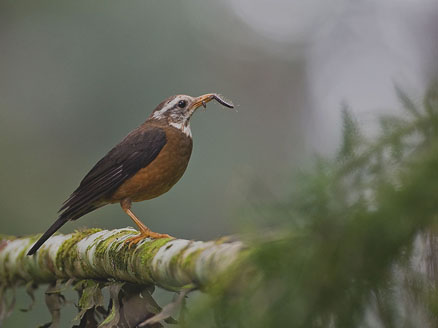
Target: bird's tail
x=53, y=228
x=67, y=215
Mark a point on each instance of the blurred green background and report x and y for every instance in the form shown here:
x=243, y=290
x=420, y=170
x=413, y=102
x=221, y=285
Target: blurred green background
x=77, y=76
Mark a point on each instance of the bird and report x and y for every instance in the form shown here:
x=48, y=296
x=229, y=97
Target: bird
x=144, y=165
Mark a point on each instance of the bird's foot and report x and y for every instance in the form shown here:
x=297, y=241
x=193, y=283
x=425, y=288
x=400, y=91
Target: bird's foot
x=145, y=234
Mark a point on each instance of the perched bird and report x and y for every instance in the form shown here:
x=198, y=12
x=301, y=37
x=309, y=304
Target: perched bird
x=144, y=165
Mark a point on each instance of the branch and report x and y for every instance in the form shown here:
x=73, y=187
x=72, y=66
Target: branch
x=102, y=254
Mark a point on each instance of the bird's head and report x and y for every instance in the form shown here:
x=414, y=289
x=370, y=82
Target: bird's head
x=177, y=110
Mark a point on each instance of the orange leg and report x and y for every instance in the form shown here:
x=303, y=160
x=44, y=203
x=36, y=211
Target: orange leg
x=145, y=232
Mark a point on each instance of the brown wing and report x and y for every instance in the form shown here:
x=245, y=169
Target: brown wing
x=135, y=152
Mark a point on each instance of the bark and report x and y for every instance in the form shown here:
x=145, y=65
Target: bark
x=101, y=254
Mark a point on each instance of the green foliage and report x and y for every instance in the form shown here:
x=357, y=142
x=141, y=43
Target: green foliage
x=351, y=134
x=345, y=257
x=354, y=245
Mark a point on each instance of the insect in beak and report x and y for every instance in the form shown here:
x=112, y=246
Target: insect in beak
x=204, y=99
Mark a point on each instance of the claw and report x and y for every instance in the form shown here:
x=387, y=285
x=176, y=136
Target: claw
x=143, y=235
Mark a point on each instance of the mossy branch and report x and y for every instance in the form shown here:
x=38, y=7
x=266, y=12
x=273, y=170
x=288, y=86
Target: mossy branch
x=101, y=254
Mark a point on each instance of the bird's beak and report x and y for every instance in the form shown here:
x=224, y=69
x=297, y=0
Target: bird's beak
x=204, y=99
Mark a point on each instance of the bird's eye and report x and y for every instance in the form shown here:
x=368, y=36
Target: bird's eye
x=182, y=103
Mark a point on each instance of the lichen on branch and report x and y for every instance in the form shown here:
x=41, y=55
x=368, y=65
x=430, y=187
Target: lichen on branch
x=103, y=254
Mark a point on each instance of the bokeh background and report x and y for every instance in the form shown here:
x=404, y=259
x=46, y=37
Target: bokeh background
x=77, y=76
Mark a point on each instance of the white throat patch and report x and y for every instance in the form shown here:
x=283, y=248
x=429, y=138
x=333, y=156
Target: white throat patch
x=182, y=127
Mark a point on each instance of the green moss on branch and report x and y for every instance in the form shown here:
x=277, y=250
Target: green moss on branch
x=103, y=254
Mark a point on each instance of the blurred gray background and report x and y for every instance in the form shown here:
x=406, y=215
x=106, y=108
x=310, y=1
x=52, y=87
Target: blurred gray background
x=77, y=76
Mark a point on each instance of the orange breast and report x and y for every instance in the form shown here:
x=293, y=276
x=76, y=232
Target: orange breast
x=162, y=173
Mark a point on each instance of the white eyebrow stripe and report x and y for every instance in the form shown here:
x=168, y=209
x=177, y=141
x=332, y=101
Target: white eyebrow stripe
x=159, y=114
